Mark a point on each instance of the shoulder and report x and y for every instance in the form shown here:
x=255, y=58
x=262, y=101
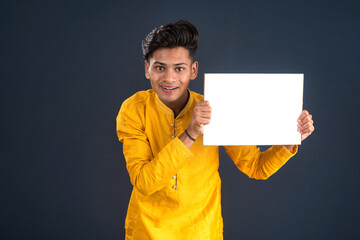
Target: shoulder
x=131, y=117
x=136, y=104
x=138, y=101
x=197, y=96
x=140, y=97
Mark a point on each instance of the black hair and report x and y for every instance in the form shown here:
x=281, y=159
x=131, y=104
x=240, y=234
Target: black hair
x=179, y=34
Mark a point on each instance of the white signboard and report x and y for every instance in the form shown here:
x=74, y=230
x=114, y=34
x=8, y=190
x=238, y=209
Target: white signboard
x=253, y=109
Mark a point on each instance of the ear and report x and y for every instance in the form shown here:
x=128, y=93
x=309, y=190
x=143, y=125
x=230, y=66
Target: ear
x=194, y=70
x=147, y=65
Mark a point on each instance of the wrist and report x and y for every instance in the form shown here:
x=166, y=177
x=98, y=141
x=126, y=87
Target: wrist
x=191, y=134
x=289, y=147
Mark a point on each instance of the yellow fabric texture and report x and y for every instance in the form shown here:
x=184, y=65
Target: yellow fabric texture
x=176, y=193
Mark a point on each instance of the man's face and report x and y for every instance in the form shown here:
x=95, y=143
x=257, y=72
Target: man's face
x=170, y=71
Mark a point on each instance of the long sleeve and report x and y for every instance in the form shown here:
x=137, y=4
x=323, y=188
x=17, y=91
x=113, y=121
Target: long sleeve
x=148, y=173
x=256, y=164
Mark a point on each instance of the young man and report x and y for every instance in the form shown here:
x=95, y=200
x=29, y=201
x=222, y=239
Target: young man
x=176, y=192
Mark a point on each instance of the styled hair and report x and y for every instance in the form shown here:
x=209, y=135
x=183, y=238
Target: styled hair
x=179, y=34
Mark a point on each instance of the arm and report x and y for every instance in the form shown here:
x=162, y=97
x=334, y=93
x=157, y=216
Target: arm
x=261, y=165
x=256, y=164
x=148, y=173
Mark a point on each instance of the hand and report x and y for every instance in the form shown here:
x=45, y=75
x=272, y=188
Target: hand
x=201, y=116
x=305, y=124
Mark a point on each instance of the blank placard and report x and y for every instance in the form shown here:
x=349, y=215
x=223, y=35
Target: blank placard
x=253, y=109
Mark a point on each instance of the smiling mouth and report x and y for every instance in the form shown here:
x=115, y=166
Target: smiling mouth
x=168, y=88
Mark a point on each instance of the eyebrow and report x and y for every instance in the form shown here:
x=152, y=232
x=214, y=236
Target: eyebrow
x=164, y=64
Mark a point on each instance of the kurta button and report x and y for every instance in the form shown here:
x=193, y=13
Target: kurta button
x=172, y=137
x=171, y=124
x=174, y=177
x=174, y=187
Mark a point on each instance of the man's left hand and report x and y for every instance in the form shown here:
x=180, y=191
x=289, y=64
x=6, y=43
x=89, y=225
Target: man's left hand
x=305, y=124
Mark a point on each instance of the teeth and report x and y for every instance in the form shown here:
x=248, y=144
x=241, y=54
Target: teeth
x=167, y=88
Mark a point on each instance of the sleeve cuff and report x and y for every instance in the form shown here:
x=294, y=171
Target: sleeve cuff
x=182, y=149
x=283, y=153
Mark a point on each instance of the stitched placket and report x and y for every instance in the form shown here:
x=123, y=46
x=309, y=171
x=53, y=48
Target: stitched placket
x=175, y=177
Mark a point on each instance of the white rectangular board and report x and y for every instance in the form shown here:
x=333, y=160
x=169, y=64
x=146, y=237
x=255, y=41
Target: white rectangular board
x=253, y=109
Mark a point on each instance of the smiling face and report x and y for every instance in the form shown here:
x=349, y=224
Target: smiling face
x=170, y=71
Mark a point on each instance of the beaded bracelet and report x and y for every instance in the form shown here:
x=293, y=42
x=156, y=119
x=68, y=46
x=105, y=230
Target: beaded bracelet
x=189, y=136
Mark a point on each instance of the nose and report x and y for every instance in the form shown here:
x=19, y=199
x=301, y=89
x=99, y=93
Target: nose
x=169, y=75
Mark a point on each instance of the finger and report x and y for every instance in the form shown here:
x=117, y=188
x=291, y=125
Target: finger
x=309, y=129
x=306, y=134
x=201, y=113
x=205, y=111
x=205, y=115
x=305, y=126
x=303, y=114
x=205, y=121
x=305, y=123
x=203, y=118
x=306, y=119
x=203, y=107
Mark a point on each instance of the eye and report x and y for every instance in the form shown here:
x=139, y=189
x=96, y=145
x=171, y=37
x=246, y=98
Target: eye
x=160, y=68
x=179, y=69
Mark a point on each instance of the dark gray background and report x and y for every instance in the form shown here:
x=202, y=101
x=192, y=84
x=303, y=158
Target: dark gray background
x=66, y=67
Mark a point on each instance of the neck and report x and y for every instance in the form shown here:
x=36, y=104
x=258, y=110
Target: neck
x=177, y=108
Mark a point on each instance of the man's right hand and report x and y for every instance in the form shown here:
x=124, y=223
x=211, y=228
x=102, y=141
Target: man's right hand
x=201, y=116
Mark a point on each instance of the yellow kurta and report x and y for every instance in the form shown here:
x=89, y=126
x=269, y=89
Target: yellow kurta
x=176, y=192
